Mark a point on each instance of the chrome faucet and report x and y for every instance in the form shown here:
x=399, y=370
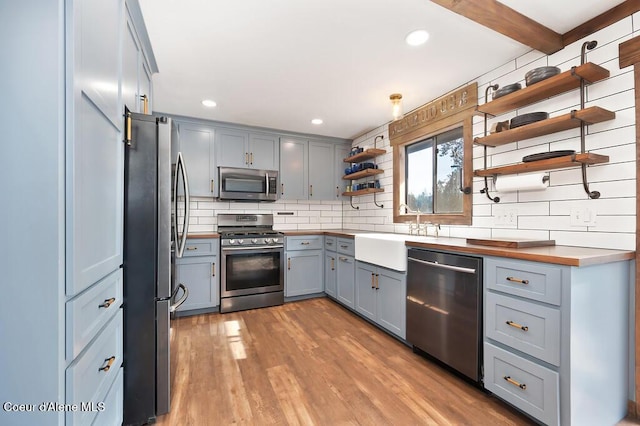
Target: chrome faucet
x=411, y=225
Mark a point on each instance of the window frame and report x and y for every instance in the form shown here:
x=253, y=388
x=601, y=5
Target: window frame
x=464, y=120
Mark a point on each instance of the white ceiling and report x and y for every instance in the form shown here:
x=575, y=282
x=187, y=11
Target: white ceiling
x=280, y=63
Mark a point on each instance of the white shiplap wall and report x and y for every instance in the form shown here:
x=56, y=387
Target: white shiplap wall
x=545, y=214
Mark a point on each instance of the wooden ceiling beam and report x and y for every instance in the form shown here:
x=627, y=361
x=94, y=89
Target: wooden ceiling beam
x=498, y=17
x=605, y=19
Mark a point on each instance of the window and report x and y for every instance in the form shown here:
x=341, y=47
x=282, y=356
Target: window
x=432, y=173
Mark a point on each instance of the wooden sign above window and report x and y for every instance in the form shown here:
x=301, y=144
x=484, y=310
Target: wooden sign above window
x=448, y=107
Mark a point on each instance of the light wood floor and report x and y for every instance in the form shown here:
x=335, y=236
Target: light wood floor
x=313, y=363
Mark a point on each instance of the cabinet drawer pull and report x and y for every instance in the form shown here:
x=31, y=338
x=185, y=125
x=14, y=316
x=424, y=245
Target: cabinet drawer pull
x=514, y=383
x=517, y=280
x=192, y=248
x=107, y=303
x=343, y=259
x=109, y=362
x=213, y=269
x=344, y=246
x=516, y=325
x=329, y=243
x=305, y=243
x=289, y=264
x=211, y=185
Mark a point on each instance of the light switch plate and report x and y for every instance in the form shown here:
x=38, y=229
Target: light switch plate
x=583, y=215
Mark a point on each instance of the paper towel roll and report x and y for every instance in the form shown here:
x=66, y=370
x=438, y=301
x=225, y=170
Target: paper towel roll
x=530, y=182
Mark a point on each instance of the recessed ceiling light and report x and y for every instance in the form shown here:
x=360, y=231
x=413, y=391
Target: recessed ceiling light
x=417, y=37
x=209, y=103
x=317, y=121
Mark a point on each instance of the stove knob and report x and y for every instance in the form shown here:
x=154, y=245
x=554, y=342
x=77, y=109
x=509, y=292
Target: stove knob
x=268, y=240
x=232, y=241
x=254, y=240
x=240, y=242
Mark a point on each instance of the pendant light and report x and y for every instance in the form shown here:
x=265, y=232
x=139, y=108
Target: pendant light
x=396, y=105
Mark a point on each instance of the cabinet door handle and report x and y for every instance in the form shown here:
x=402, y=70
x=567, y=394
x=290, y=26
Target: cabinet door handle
x=127, y=132
x=282, y=189
x=377, y=281
x=516, y=325
x=192, y=248
x=332, y=264
x=109, y=362
x=373, y=280
x=289, y=263
x=517, y=280
x=107, y=303
x=246, y=158
x=211, y=185
x=213, y=269
x=311, y=190
x=251, y=158
x=514, y=383
x=337, y=191
x=145, y=104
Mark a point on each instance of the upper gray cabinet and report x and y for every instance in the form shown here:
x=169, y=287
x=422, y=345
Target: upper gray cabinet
x=136, y=74
x=308, y=170
x=236, y=148
x=195, y=141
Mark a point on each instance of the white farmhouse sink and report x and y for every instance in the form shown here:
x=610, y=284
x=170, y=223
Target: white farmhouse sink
x=387, y=250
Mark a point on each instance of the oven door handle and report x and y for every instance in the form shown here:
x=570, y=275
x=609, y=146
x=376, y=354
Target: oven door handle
x=251, y=248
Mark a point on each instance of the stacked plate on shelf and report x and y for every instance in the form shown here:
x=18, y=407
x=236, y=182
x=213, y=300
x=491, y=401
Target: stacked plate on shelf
x=538, y=74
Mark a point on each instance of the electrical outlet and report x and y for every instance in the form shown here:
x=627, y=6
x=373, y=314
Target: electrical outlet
x=506, y=217
x=583, y=216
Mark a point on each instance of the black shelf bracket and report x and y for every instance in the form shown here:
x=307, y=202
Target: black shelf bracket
x=485, y=190
x=375, y=202
x=587, y=45
x=352, y=206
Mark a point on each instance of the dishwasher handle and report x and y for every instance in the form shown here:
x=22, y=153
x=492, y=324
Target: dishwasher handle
x=444, y=266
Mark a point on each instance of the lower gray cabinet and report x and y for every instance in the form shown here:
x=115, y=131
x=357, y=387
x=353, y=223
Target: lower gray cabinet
x=304, y=273
x=346, y=280
x=381, y=296
x=330, y=274
x=199, y=272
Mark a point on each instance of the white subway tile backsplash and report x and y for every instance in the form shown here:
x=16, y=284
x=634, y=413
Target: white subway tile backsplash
x=604, y=240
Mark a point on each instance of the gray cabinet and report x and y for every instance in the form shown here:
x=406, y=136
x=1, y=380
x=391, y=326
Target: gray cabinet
x=580, y=378
x=381, y=297
x=304, y=265
x=65, y=211
x=195, y=141
x=308, y=170
x=294, y=163
x=136, y=74
x=346, y=280
x=339, y=154
x=330, y=266
x=237, y=148
x=198, y=270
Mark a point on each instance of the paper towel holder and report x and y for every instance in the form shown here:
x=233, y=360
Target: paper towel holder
x=545, y=179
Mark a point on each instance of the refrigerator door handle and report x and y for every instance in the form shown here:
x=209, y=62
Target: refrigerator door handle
x=184, y=297
x=180, y=168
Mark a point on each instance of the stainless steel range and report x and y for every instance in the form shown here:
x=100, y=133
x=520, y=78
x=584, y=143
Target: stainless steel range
x=252, y=262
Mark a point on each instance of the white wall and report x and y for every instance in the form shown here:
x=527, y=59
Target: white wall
x=544, y=214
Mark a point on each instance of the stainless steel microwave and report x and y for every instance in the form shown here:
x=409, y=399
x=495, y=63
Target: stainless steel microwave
x=237, y=184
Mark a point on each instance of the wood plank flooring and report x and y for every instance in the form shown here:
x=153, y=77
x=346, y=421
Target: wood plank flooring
x=313, y=363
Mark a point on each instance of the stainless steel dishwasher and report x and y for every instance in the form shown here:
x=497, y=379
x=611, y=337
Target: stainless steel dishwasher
x=444, y=308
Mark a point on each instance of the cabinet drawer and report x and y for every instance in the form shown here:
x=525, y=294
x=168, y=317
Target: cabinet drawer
x=200, y=247
x=537, y=394
x=331, y=243
x=89, y=312
x=526, y=326
x=532, y=280
x=346, y=246
x=112, y=409
x=85, y=382
x=311, y=242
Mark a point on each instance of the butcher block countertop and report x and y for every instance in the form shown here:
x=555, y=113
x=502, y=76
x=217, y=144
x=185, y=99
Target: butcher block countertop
x=560, y=255
x=203, y=236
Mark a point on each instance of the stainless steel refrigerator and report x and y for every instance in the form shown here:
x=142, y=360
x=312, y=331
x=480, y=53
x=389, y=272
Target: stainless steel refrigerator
x=151, y=244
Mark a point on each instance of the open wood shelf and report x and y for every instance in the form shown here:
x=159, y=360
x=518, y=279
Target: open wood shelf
x=567, y=121
x=543, y=165
x=363, y=174
x=366, y=191
x=544, y=89
x=367, y=154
